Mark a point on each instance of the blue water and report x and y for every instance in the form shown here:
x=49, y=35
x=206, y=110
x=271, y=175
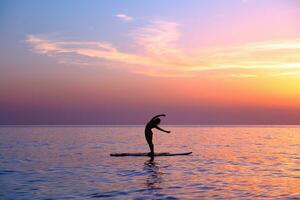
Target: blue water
x=241, y=162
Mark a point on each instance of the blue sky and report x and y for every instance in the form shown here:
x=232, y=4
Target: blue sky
x=104, y=58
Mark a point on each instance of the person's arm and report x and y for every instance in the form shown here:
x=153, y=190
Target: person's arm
x=161, y=115
x=157, y=127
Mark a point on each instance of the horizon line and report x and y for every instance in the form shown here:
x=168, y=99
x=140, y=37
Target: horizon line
x=140, y=125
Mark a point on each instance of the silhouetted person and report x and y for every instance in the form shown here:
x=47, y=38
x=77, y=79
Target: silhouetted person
x=153, y=123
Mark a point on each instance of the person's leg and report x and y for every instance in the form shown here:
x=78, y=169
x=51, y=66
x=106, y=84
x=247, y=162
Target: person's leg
x=151, y=148
x=149, y=141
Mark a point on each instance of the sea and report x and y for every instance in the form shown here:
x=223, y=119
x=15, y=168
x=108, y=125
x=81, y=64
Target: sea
x=74, y=162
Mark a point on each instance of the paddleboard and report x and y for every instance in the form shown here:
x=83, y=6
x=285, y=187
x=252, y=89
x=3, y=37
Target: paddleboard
x=146, y=154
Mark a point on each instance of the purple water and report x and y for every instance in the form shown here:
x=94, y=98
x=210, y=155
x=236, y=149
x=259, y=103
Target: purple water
x=233, y=162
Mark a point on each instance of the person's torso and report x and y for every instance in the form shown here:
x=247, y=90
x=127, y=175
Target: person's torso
x=149, y=126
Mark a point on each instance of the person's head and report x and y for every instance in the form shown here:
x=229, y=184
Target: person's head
x=156, y=121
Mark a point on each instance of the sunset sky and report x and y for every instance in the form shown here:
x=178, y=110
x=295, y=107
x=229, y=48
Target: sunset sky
x=120, y=62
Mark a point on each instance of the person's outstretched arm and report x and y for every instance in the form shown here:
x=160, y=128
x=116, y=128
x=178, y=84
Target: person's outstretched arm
x=161, y=115
x=162, y=129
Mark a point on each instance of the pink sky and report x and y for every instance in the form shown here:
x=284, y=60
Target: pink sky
x=205, y=62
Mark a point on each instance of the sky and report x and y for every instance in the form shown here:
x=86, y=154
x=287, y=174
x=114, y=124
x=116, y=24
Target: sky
x=214, y=62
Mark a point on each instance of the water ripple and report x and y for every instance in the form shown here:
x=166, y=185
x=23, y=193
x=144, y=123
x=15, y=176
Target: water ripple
x=74, y=163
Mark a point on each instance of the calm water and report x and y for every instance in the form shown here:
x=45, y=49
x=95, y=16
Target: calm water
x=74, y=163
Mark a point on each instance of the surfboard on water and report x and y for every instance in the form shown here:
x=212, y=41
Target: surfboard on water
x=146, y=154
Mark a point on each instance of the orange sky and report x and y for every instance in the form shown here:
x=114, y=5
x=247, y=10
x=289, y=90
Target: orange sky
x=234, y=56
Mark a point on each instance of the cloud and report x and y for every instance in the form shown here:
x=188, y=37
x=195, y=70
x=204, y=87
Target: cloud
x=160, y=54
x=243, y=75
x=288, y=73
x=44, y=45
x=124, y=17
x=262, y=55
x=159, y=38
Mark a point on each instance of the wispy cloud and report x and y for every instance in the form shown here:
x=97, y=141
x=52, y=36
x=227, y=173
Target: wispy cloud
x=124, y=17
x=262, y=55
x=243, y=75
x=288, y=73
x=103, y=50
x=159, y=38
x=160, y=53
